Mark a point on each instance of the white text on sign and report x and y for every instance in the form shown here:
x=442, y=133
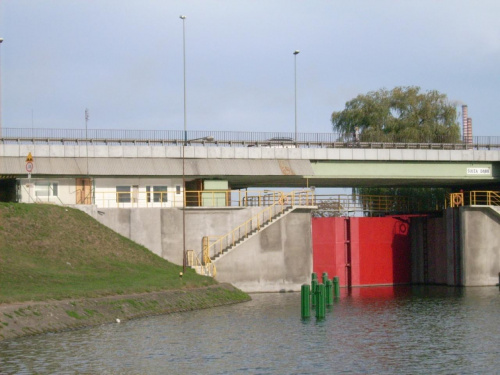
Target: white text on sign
x=481, y=171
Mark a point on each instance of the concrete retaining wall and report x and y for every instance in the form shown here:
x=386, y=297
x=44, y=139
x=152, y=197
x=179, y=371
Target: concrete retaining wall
x=480, y=245
x=460, y=249
x=278, y=258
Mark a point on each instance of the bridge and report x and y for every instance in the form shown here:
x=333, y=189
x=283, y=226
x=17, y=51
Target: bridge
x=246, y=159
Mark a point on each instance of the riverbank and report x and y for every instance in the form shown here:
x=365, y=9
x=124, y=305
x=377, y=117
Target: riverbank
x=31, y=318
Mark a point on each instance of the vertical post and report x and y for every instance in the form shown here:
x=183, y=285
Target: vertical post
x=296, y=52
x=324, y=277
x=305, y=298
x=314, y=287
x=336, y=287
x=329, y=292
x=183, y=18
x=320, y=302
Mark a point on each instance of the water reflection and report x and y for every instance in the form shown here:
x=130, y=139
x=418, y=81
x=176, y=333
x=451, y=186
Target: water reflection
x=389, y=330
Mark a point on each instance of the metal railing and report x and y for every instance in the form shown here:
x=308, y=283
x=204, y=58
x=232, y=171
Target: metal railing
x=207, y=268
x=484, y=198
x=217, y=244
x=346, y=203
x=242, y=139
x=473, y=198
x=197, y=198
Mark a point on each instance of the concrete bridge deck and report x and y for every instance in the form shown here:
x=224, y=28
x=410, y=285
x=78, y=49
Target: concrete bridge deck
x=261, y=166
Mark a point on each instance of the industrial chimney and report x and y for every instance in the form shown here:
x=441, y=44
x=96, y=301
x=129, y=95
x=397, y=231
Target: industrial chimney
x=465, y=123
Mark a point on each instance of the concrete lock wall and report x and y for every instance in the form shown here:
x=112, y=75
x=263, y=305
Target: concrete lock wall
x=279, y=258
x=462, y=248
x=480, y=245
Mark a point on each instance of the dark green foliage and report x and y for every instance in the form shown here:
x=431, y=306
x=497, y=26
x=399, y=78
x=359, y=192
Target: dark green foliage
x=403, y=114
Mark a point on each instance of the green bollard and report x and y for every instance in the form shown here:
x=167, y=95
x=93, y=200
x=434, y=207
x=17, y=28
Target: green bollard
x=314, y=276
x=305, y=298
x=320, y=301
x=324, y=277
x=336, y=287
x=314, y=289
x=329, y=292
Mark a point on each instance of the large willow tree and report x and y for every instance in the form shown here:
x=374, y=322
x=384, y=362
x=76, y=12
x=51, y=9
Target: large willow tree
x=403, y=114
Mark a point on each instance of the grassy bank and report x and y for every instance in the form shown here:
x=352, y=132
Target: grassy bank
x=52, y=252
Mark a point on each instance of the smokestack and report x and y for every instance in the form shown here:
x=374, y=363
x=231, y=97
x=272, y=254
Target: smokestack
x=469, y=131
x=465, y=123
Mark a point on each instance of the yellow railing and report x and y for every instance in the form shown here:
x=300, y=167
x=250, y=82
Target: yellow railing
x=217, y=244
x=196, y=198
x=474, y=198
x=455, y=200
x=481, y=198
x=206, y=268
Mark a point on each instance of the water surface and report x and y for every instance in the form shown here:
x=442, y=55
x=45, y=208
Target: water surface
x=400, y=330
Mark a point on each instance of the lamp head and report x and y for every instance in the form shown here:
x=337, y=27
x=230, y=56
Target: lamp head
x=296, y=52
x=182, y=17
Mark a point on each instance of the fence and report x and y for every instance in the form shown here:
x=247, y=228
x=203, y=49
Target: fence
x=242, y=139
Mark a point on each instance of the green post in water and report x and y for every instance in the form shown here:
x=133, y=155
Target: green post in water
x=336, y=287
x=329, y=292
x=314, y=290
x=305, y=298
x=320, y=301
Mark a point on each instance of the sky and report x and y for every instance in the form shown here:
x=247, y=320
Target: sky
x=123, y=61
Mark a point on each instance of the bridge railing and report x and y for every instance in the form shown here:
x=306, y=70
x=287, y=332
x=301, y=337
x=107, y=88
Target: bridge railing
x=241, y=139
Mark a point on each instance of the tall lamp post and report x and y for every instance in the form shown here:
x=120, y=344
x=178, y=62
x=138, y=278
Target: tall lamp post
x=1, y=40
x=295, y=53
x=183, y=18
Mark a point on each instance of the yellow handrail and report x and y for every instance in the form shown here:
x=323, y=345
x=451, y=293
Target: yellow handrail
x=487, y=197
x=207, y=269
x=474, y=198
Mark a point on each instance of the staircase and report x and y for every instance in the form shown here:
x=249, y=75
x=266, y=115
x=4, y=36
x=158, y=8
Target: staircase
x=283, y=204
x=243, y=238
x=215, y=247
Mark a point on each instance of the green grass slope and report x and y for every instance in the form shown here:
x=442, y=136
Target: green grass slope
x=52, y=252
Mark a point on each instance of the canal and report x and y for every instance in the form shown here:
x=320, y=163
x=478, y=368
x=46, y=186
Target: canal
x=379, y=330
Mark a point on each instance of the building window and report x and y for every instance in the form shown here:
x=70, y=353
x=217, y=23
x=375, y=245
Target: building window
x=177, y=189
x=46, y=189
x=160, y=193
x=148, y=194
x=123, y=194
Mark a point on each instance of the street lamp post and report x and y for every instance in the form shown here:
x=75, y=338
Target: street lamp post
x=295, y=53
x=183, y=18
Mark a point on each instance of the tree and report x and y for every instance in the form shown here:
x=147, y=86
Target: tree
x=403, y=114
